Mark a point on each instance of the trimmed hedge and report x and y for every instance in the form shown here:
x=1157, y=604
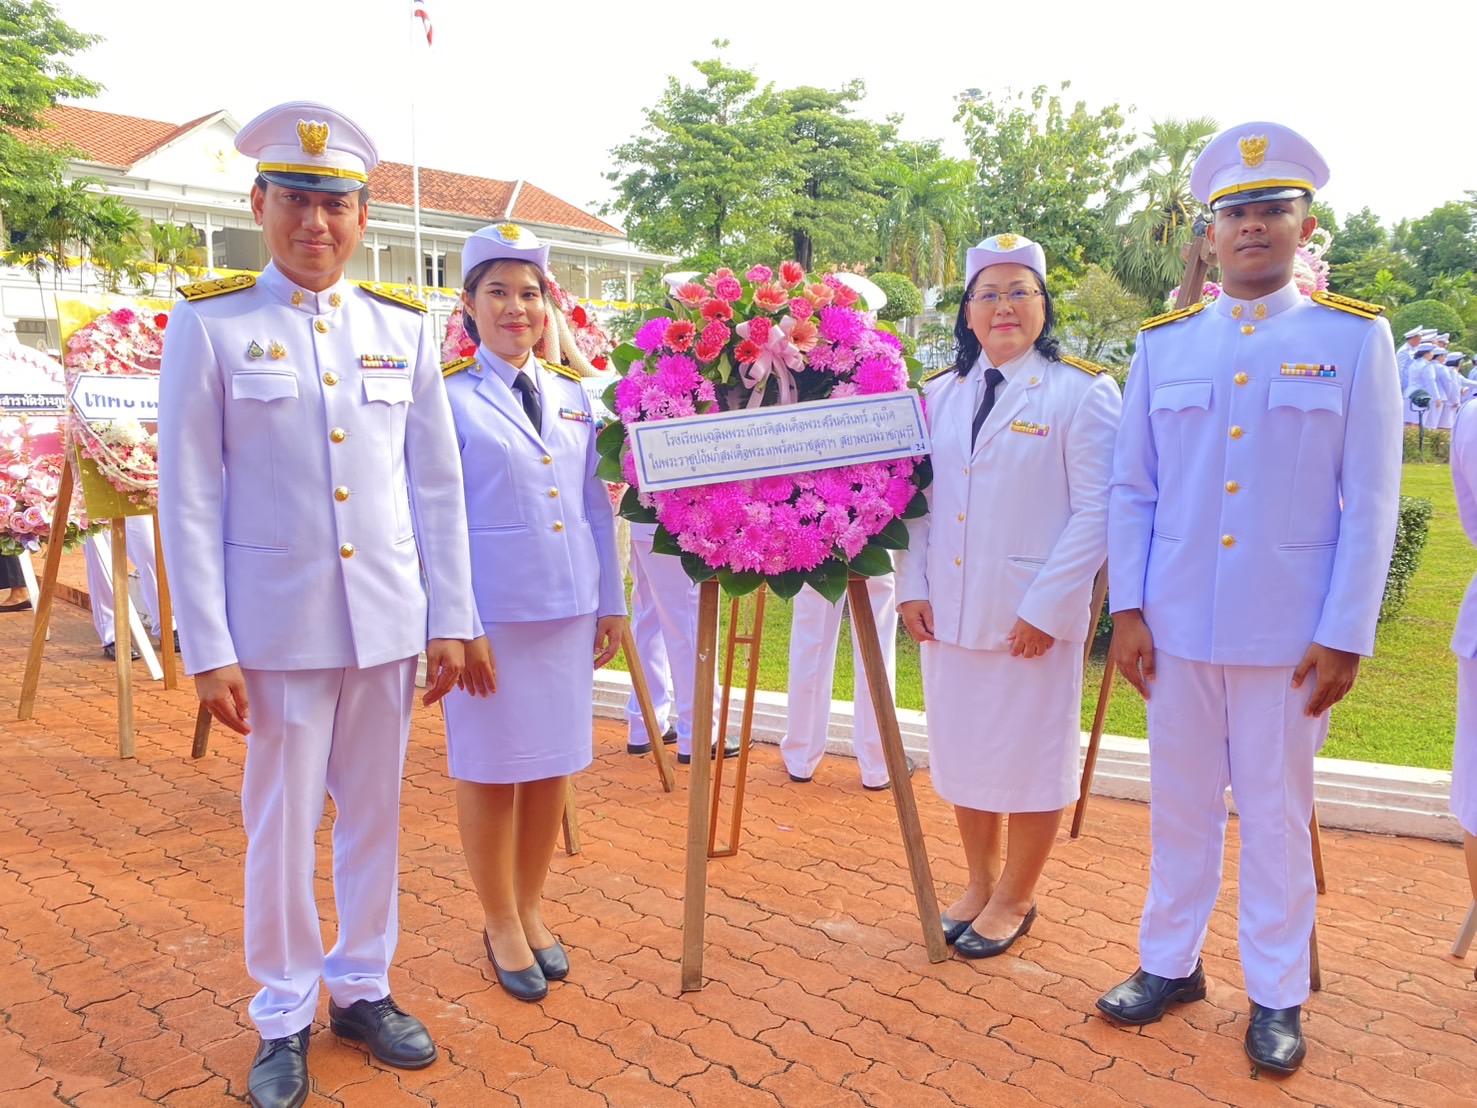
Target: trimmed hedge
x=1410, y=540
x=1437, y=447
x=1426, y=313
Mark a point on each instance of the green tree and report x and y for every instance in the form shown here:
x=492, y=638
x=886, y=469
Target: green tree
x=1360, y=234
x=903, y=298
x=833, y=190
x=1443, y=242
x=1386, y=290
x=48, y=220
x=936, y=344
x=922, y=230
x=1363, y=272
x=113, y=239
x=1151, y=210
x=1426, y=313
x=702, y=174
x=34, y=75
x=172, y=250
x=1042, y=169
x=1104, y=316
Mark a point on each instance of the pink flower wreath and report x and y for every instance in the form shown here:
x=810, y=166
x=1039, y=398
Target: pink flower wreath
x=763, y=338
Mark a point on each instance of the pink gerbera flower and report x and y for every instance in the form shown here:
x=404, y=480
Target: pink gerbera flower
x=691, y=295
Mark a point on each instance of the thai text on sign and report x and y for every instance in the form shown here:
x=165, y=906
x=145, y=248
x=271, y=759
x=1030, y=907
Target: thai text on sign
x=102, y=397
x=767, y=442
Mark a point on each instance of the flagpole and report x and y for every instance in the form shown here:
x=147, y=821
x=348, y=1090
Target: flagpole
x=415, y=194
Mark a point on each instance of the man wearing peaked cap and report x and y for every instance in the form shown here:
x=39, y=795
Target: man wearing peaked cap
x=309, y=477
x=1250, y=523
x=1420, y=380
x=1405, y=351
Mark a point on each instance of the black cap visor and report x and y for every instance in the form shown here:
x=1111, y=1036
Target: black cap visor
x=312, y=182
x=1260, y=196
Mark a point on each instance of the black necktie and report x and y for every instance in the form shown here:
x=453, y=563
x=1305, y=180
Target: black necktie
x=523, y=385
x=993, y=377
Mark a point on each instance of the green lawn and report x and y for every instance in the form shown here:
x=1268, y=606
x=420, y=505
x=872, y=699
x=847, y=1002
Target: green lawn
x=1402, y=711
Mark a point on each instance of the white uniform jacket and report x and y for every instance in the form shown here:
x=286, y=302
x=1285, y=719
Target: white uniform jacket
x=543, y=532
x=1421, y=377
x=1017, y=523
x=1464, y=477
x=1256, y=480
x=307, y=472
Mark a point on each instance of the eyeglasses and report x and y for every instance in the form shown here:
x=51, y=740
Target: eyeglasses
x=1015, y=296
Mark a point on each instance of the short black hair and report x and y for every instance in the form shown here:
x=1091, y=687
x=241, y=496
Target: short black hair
x=362, y=192
x=967, y=344
x=475, y=278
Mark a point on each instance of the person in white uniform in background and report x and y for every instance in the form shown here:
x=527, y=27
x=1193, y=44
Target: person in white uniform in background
x=996, y=583
x=1421, y=379
x=98, y=560
x=1251, y=519
x=815, y=631
x=1464, y=645
x=1405, y=351
x=308, y=481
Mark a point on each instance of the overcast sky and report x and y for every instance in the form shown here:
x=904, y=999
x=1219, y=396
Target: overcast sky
x=542, y=91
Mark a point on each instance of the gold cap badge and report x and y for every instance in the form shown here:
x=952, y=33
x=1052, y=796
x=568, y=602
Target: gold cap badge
x=1253, y=150
x=1006, y=241
x=313, y=137
x=509, y=231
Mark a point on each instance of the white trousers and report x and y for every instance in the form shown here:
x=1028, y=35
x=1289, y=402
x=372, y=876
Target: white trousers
x=1211, y=726
x=664, y=626
x=140, y=533
x=342, y=731
x=815, y=627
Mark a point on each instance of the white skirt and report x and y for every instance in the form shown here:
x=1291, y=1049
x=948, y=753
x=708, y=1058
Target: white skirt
x=540, y=722
x=1464, y=756
x=1004, y=733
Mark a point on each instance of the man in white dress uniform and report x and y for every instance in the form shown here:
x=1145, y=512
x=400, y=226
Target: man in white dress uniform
x=99, y=553
x=309, y=475
x=1250, y=523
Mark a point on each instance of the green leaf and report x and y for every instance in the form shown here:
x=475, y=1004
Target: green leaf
x=725, y=369
x=829, y=579
x=893, y=537
x=632, y=508
x=664, y=542
x=609, y=469
x=694, y=566
x=608, y=396
x=624, y=355
x=739, y=582
x=873, y=561
x=611, y=438
x=917, y=507
x=786, y=585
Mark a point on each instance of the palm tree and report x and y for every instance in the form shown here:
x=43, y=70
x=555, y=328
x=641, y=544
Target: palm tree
x=111, y=240
x=174, y=249
x=927, y=215
x=1152, y=188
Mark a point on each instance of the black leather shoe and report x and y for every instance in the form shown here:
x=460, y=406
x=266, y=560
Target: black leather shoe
x=1274, y=1040
x=645, y=748
x=393, y=1036
x=795, y=777
x=526, y=984
x=110, y=651
x=953, y=928
x=279, y=1072
x=553, y=962
x=912, y=765
x=730, y=750
x=1144, y=996
x=971, y=944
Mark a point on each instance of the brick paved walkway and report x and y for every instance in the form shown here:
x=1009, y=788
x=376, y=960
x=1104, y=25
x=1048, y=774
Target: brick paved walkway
x=121, y=978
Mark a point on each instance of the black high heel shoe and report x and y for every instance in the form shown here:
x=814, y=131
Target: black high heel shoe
x=553, y=961
x=525, y=984
x=971, y=944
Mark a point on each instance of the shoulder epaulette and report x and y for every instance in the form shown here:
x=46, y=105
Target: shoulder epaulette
x=1084, y=365
x=201, y=289
x=1171, y=317
x=562, y=370
x=448, y=368
x=1347, y=304
x=385, y=292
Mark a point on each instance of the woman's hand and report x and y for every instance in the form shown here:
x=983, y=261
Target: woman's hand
x=609, y=630
x=444, y=661
x=917, y=617
x=1027, y=641
x=479, y=676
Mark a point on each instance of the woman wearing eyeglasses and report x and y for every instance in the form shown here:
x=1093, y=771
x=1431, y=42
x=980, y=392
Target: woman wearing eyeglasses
x=996, y=582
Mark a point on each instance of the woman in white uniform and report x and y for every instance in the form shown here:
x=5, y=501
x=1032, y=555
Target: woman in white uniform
x=1464, y=645
x=996, y=582
x=549, y=599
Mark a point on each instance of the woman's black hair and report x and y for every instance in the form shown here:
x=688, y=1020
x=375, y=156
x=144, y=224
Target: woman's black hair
x=474, y=279
x=967, y=343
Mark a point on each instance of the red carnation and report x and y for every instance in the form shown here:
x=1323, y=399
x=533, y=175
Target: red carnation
x=161, y=320
x=759, y=329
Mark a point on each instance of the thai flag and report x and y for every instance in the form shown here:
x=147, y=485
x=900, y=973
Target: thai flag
x=418, y=10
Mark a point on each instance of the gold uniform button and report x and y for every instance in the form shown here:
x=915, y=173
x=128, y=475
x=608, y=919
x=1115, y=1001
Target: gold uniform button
x=341, y=493
x=1242, y=378
x=320, y=326
x=553, y=494
x=1236, y=432
x=1233, y=487
x=347, y=550
x=338, y=434
x=330, y=378
x=961, y=517
x=958, y=561
x=1228, y=540
x=558, y=525
x=1248, y=329
x=548, y=461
